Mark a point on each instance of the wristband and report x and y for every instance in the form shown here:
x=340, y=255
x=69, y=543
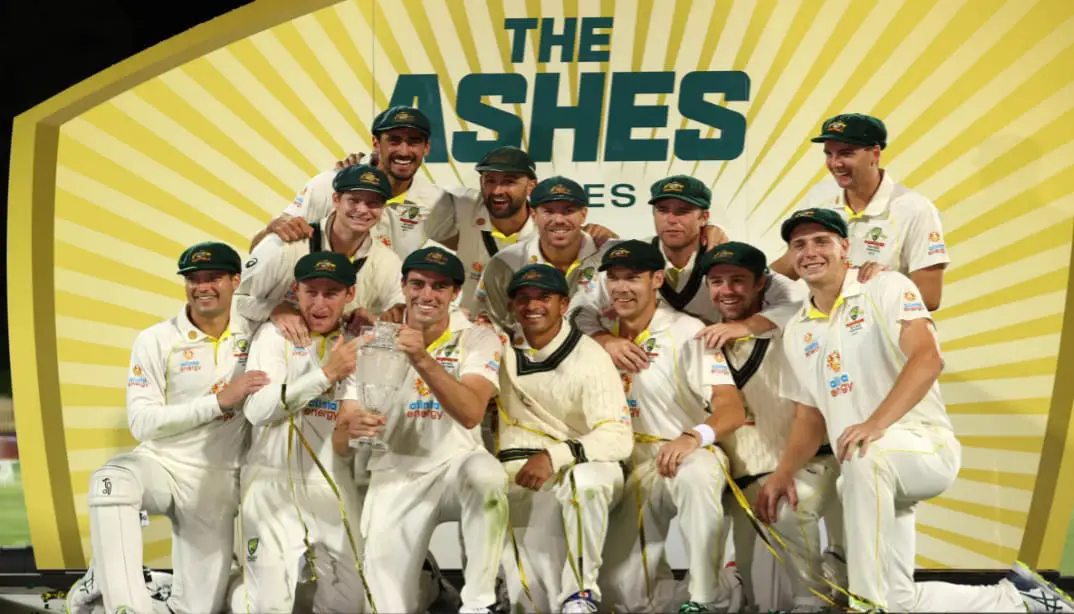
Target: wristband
x=707, y=435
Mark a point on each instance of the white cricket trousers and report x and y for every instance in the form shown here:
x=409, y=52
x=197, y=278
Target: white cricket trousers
x=879, y=492
x=403, y=509
x=276, y=525
x=559, y=532
x=814, y=485
x=201, y=504
x=632, y=574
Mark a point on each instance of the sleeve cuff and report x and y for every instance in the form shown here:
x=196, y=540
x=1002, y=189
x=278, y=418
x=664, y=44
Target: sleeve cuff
x=213, y=409
x=561, y=456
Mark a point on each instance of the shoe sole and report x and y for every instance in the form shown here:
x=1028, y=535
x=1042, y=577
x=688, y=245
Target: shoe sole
x=1028, y=573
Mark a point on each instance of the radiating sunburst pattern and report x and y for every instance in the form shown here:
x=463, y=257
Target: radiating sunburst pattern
x=977, y=95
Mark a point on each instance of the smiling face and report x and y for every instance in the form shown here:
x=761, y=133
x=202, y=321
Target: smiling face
x=208, y=293
x=735, y=291
x=428, y=297
x=559, y=223
x=538, y=311
x=632, y=292
x=358, y=211
x=851, y=165
x=505, y=193
x=678, y=223
x=818, y=254
x=401, y=152
x=321, y=302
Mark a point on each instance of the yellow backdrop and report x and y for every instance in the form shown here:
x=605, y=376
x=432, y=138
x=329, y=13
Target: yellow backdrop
x=212, y=133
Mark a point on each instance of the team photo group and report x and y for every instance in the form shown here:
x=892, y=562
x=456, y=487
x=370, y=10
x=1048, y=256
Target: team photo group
x=393, y=355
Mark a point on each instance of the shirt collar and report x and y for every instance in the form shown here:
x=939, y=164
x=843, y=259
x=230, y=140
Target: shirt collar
x=190, y=332
x=851, y=288
x=543, y=353
x=878, y=205
x=483, y=221
x=326, y=237
x=661, y=321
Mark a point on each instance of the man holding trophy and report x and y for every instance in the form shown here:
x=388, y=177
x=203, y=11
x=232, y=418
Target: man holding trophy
x=299, y=498
x=434, y=467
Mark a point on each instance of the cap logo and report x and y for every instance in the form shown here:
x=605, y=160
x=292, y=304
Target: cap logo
x=837, y=126
x=436, y=257
x=404, y=116
x=325, y=265
x=202, y=256
x=369, y=178
x=619, y=252
x=674, y=186
x=724, y=253
x=531, y=276
x=559, y=188
x=808, y=213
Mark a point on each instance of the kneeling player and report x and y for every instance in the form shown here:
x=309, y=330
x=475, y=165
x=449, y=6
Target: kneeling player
x=564, y=436
x=298, y=495
x=437, y=469
x=184, y=397
x=682, y=403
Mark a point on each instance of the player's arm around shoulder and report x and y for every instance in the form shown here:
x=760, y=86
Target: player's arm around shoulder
x=264, y=281
x=600, y=390
x=491, y=292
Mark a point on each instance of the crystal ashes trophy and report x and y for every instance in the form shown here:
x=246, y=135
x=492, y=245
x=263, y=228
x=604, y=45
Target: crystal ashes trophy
x=380, y=371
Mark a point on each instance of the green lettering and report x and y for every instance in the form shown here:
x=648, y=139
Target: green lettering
x=511, y=88
x=624, y=114
x=623, y=194
x=587, y=51
x=564, y=41
x=518, y=39
x=735, y=86
x=423, y=92
x=548, y=116
x=592, y=191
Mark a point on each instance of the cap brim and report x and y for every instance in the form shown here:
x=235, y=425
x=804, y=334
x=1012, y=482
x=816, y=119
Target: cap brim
x=788, y=227
x=559, y=198
x=513, y=289
x=697, y=202
x=420, y=129
x=644, y=269
x=433, y=268
x=365, y=189
x=210, y=267
x=324, y=275
x=842, y=139
x=502, y=168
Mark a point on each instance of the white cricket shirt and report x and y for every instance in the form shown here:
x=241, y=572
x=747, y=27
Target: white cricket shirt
x=308, y=399
x=673, y=394
x=269, y=273
x=402, y=226
x=421, y=435
x=899, y=229
x=491, y=291
x=467, y=215
x=565, y=397
x=175, y=372
x=847, y=362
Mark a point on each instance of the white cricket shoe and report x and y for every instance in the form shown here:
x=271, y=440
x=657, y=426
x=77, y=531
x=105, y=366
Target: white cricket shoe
x=1038, y=594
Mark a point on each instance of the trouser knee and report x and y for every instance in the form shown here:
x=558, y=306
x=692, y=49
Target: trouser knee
x=114, y=485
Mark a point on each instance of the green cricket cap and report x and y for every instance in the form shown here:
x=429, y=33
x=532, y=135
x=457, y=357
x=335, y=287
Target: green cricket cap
x=508, y=159
x=737, y=254
x=437, y=260
x=329, y=265
x=854, y=128
x=558, y=188
x=634, y=255
x=537, y=275
x=682, y=187
x=210, y=256
x=362, y=178
x=823, y=217
x=401, y=117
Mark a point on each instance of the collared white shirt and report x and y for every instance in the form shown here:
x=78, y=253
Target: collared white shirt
x=421, y=435
x=466, y=214
x=402, y=227
x=492, y=289
x=175, y=372
x=269, y=273
x=847, y=362
x=298, y=391
x=673, y=393
x=899, y=228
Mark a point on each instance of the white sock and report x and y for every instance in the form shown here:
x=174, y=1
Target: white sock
x=117, y=556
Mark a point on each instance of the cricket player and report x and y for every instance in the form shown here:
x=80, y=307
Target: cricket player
x=559, y=209
x=736, y=276
x=401, y=141
x=863, y=363
x=294, y=486
x=437, y=469
x=358, y=203
x=185, y=394
x=890, y=226
x=681, y=215
x=680, y=406
x=565, y=435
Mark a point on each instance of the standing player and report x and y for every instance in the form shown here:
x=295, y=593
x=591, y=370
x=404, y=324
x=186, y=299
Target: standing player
x=890, y=226
x=736, y=275
x=294, y=486
x=564, y=436
x=401, y=141
x=358, y=203
x=437, y=469
x=680, y=406
x=185, y=394
x=864, y=361
x=559, y=207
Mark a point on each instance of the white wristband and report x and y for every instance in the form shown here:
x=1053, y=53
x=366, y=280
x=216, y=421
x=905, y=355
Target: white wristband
x=708, y=436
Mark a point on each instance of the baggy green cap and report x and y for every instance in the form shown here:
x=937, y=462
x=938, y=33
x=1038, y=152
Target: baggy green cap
x=210, y=256
x=559, y=188
x=855, y=129
x=824, y=217
x=737, y=254
x=538, y=275
x=634, y=255
x=682, y=187
x=401, y=117
x=362, y=178
x=437, y=260
x=508, y=159
x=329, y=265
